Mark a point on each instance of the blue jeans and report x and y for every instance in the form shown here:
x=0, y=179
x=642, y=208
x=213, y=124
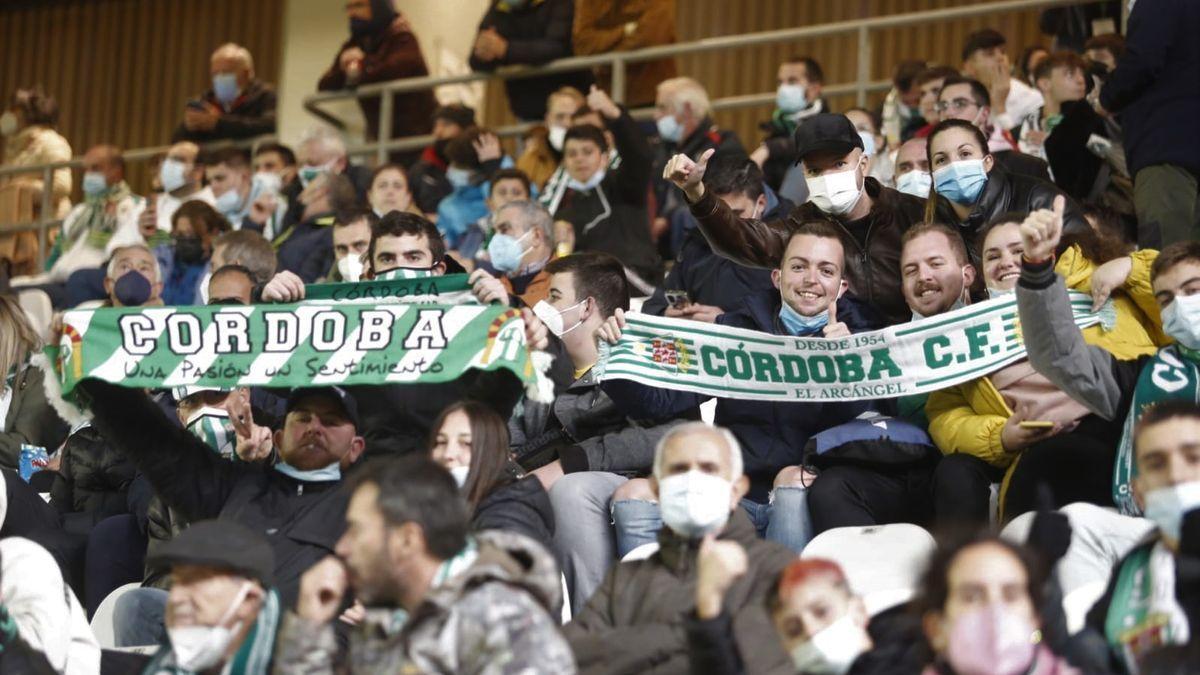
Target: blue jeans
x=785, y=520
x=138, y=618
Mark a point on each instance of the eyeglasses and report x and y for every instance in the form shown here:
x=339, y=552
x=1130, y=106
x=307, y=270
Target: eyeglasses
x=956, y=105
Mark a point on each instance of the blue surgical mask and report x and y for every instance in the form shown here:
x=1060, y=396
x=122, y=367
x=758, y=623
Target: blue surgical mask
x=915, y=183
x=505, y=252
x=798, y=324
x=331, y=472
x=94, y=184
x=791, y=98
x=225, y=87
x=868, y=140
x=459, y=178
x=669, y=129
x=229, y=204
x=172, y=174
x=1181, y=320
x=961, y=181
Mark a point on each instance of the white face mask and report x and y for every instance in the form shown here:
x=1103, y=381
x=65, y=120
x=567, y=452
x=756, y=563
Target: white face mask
x=460, y=474
x=831, y=650
x=546, y=313
x=835, y=193
x=1166, y=506
x=1181, y=320
x=557, y=136
x=915, y=183
x=694, y=504
x=198, y=648
x=350, y=267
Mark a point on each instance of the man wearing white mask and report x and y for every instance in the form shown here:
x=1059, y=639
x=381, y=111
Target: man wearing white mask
x=238, y=105
x=871, y=216
x=581, y=441
x=635, y=621
x=180, y=175
x=351, y=239
x=222, y=614
x=912, y=169
x=798, y=98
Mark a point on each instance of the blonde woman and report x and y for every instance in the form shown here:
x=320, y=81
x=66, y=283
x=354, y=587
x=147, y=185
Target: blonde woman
x=25, y=414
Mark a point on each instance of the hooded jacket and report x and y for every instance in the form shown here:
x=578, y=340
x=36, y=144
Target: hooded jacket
x=522, y=506
x=872, y=268
x=636, y=621
x=772, y=435
x=494, y=617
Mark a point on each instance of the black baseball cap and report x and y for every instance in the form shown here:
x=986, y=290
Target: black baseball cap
x=826, y=131
x=223, y=544
x=334, y=393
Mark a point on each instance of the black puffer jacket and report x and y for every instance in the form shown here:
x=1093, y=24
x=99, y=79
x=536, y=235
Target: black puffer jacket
x=1007, y=192
x=522, y=506
x=93, y=481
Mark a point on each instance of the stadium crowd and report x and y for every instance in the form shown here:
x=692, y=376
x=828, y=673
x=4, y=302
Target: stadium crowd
x=1040, y=516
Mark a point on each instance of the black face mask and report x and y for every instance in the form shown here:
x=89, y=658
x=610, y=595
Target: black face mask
x=189, y=250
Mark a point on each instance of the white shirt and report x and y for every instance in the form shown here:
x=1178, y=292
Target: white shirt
x=1022, y=100
x=45, y=610
x=168, y=204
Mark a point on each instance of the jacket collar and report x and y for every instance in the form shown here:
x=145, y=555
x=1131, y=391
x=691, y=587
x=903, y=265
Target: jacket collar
x=678, y=554
x=997, y=191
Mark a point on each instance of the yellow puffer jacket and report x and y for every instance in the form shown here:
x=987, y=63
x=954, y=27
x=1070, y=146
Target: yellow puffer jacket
x=969, y=417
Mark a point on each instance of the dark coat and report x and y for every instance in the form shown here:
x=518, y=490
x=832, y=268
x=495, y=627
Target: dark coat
x=772, y=435
x=873, y=268
x=1007, y=192
x=536, y=33
x=92, y=482
x=635, y=622
x=302, y=520
x=711, y=279
x=1019, y=162
x=613, y=217
x=392, y=54
x=707, y=136
x=1153, y=88
x=30, y=418
x=252, y=114
x=1075, y=167
x=522, y=506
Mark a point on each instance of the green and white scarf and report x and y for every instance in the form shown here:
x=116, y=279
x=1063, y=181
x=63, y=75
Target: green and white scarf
x=912, y=358
x=1171, y=375
x=337, y=338
x=1144, y=614
x=252, y=658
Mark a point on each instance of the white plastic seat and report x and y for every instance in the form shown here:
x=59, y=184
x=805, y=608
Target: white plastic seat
x=102, y=620
x=883, y=563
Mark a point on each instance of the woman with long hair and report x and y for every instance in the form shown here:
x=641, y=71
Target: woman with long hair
x=26, y=417
x=471, y=440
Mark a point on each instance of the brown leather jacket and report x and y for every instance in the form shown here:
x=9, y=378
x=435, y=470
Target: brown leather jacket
x=873, y=270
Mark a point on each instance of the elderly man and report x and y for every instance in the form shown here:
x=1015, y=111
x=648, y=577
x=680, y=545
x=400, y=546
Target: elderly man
x=520, y=248
x=439, y=601
x=133, y=278
x=635, y=620
x=221, y=613
x=237, y=106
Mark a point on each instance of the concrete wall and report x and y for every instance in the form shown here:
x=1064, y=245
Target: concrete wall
x=315, y=29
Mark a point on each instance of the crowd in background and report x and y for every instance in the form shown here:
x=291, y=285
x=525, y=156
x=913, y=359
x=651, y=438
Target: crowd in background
x=1041, y=518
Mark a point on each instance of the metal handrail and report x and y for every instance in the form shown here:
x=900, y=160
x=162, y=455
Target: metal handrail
x=617, y=61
